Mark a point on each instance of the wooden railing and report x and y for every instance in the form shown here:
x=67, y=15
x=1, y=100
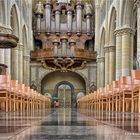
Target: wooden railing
x=48, y=54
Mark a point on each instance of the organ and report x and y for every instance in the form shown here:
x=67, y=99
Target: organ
x=63, y=28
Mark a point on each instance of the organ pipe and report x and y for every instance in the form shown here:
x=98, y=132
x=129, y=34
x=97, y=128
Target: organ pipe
x=48, y=16
x=57, y=21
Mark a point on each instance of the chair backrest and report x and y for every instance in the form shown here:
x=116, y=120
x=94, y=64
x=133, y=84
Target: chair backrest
x=135, y=74
x=5, y=82
x=14, y=85
x=22, y=88
x=125, y=82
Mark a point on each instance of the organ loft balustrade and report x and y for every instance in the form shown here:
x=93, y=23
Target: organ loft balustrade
x=62, y=32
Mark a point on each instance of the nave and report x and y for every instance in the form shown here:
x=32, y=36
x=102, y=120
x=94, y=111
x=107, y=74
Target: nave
x=69, y=124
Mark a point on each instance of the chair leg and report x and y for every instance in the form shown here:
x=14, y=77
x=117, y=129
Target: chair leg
x=123, y=103
x=139, y=102
x=6, y=105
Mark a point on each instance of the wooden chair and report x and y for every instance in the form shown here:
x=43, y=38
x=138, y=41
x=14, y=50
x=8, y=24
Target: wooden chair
x=5, y=92
x=21, y=97
x=14, y=95
x=26, y=98
x=126, y=96
x=136, y=89
x=116, y=95
x=109, y=96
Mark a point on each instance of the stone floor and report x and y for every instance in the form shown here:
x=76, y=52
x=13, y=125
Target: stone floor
x=69, y=124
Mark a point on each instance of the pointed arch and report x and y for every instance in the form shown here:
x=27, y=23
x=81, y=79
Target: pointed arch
x=112, y=27
x=24, y=38
x=14, y=21
x=2, y=12
x=102, y=42
x=126, y=12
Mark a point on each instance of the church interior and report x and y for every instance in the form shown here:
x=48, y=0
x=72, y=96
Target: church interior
x=69, y=69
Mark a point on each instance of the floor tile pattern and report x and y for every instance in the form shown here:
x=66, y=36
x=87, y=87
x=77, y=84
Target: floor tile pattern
x=69, y=124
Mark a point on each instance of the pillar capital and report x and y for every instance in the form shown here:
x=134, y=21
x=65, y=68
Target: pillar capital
x=124, y=30
x=5, y=29
x=112, y=48
x=27, y=57
x=106, y=49
x=100, y=59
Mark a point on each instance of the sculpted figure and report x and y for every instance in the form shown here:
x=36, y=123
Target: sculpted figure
x=39, y=7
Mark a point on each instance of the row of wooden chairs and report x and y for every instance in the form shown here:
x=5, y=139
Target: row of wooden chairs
x=15, y=96
x=120, y=96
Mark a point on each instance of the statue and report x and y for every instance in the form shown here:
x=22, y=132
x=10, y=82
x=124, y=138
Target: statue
x=88, y=8
x=39, y=7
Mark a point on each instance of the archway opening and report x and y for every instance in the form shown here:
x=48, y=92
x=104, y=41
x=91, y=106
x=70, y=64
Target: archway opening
x=63, y=87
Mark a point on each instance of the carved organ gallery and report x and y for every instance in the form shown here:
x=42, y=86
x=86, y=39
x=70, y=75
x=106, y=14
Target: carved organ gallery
x=64, y=40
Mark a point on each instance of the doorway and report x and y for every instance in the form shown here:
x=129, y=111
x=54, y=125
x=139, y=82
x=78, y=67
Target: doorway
x=64, y=91
x=64, y=95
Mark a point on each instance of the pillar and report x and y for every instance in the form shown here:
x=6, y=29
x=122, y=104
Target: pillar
x=106, y=49
x=97, y=26
x=118, y=54
x=14, y=62
x=2, y=56
x=126, y=50
x=138, y=30
x=92, y=68
x=7, y=60
x=100, y=72
x=111, y=63
x=26, y=72
x=20, y=72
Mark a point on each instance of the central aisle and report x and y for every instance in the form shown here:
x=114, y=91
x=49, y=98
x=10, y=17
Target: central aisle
x=69, y=124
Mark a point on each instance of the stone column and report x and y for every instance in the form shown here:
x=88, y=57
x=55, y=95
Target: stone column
x=118, y=54
x=26, y=69
x=7, y=60
x=111, y=63
x=100, y=72
x=126, y=50
x=138, y=30
x=106, y=49
x=92, y=67
x=20, y=63
x=97, y=26
x=14, y=62
x=2, y=56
